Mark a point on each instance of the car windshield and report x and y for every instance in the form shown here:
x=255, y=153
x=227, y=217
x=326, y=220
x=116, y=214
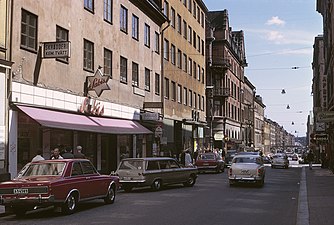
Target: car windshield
x=131, y=164
x=246, y=160
x=207, y=157
x=44, y=169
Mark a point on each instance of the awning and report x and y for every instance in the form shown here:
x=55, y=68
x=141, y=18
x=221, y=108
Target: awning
x=70, y=121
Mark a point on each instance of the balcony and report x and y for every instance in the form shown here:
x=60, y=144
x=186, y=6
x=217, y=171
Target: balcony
x=220, y=63
x=221, y=92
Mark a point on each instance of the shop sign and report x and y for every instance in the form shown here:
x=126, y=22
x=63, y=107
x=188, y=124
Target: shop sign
x=58, y=49
x=150, y=116
x=92, y=107
x=98, y=83
x=158, y=131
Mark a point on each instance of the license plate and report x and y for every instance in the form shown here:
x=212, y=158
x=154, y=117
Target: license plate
x=20, y=191
x=244, y=171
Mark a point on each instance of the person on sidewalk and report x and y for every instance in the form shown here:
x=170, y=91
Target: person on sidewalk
x=79, y=154
x=39, y=156
x=310, y=158
x=68, y=153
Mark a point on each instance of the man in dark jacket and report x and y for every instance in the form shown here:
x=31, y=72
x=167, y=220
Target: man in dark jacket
x=68, y=153
x=79, y=154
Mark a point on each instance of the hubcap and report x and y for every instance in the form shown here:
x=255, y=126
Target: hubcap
x=71, y=202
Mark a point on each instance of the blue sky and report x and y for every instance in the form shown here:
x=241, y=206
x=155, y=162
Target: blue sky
x=279, y=35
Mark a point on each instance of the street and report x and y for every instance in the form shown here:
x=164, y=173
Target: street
x=210, y=201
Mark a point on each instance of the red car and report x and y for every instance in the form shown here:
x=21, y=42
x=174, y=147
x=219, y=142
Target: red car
x=210, y=162
x=60, y=183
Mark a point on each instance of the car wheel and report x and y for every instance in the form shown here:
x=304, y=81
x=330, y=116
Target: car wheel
x=19, y=211
x=71, y=204
x=110, y=198
x=156, y=185
x=190, y=182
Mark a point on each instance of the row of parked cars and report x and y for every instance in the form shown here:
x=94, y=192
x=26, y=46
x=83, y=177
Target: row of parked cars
x=64, y=183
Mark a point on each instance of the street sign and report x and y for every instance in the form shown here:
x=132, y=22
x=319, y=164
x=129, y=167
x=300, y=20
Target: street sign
x=322, y=138
x=326, y=116
x=320, y=127
x=158, y=131
x=218, y=136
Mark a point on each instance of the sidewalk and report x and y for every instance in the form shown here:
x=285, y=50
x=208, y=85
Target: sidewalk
x=320, y=195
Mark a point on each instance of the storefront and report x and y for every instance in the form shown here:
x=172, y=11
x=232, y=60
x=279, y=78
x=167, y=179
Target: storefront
x=104, y=140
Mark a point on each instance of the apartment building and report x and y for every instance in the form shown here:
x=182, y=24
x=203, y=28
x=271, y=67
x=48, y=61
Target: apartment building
x=84, y=73
x=248, y=95
x=183, y=76
x=259, y=123
x=225, y=74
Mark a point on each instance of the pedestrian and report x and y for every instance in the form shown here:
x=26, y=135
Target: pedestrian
x=38, y=156
x=182, y=158
x=68, y=153
x=187, y=159
x=310, y=158
x=323, y=157
x=79, y=154
x=56, y=154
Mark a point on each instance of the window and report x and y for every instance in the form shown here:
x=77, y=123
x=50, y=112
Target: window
x=88, y=63
x=173, y=90
x=124, y=19
x=61, y=35
x=202, y=19
x=199, y=101
x=172, y=54
x=203, y=47
x=135, y=27
x=147, y=79
x=203, y=75
x=194, y=9
x=198, y=44
x=184, y=63
x=194, y=39
x=185, y=26
x=179, y=24
x=107, y=69
x=147, y=35
x=135, y=74
x=157, y=42
x=179, y=59
x=195, y=69
x=166, y=49
x=190, y=66
x=185, y=96
x=195, y=102
x=166, y=90
x=89, y=5
x=88, y=168
x=166, y=8
x=198, y=15
x=198, y=72
x=29, y=31
x=172, y=15
x=179, y=93
x=189, y=5
x=157, y=84
x=190, y=98
x=123, y=70
x=107, y=10
x=185, y=3
x=190, y=33
x=203, y=102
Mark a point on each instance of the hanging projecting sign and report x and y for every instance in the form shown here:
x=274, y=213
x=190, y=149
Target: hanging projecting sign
x=98, y=83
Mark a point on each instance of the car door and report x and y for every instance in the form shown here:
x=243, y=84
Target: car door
x=94, y=185
x=178, y=174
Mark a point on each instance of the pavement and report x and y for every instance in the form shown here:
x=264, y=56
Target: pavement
x=316, y=197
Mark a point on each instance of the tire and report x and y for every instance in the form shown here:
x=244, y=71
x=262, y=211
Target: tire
x=20, y=212
x=190, y=182
x=70, y=205
x=156, y=185
x=110, y=198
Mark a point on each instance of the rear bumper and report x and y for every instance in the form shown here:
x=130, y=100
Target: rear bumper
x=26, y=200
x=245, y=179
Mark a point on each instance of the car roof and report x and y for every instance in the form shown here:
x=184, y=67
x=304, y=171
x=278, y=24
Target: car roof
x=58, y=160
x=246, y=155
x=150, y=158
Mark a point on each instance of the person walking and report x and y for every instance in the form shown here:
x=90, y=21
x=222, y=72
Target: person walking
x=68, y=153
x=38, y=156
x=56, y=154
x=310, y=158
x=79, y=154
x=188, y=160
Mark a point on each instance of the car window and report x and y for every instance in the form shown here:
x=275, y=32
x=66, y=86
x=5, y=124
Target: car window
x=164, y=164
x=246, y=160
x=173, y=164
x=44, y=169
x=88, y=168
x=152, y=165
x=207, y=157
x=131, y=164
x=76, y=169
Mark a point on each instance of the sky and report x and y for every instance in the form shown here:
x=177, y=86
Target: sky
x=279, y=37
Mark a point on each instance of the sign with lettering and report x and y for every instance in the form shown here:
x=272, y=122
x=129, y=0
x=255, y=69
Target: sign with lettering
x=98, y=83
x=59, y=49
x=92, y=107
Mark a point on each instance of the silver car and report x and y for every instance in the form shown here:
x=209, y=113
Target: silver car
x=280, y=160
x=154, y=172
x=247, y=169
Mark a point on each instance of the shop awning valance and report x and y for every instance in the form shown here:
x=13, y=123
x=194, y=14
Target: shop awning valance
x=69, y=121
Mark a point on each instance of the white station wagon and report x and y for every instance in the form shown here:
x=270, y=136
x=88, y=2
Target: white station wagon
x=247, y=169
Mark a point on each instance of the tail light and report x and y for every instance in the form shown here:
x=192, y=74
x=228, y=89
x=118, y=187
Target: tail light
x=230, y=171
x=260, y=171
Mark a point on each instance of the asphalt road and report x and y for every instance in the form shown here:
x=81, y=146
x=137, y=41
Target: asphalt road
x=210, y=202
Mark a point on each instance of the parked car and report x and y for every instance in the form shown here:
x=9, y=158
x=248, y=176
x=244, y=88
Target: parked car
x=247, y=169
x=154, y=172
x=294, y=157
x=266, y=159
x=60, y=183
x=210, y=162
x=280, y=160
x=229, y=156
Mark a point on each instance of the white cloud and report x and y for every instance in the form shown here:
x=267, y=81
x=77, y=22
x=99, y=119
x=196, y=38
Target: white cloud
x=275, y=36
x=275, y=21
